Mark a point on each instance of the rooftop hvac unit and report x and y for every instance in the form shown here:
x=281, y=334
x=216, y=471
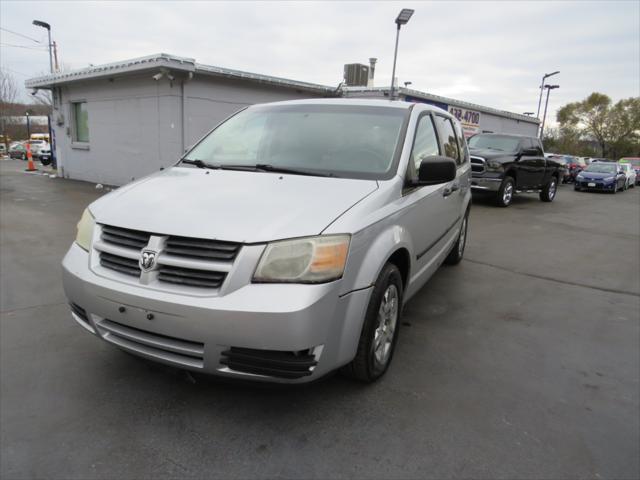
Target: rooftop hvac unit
x=356, y=74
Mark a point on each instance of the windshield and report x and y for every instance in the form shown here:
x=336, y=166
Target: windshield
x=339, y=140
x=602, y=167
x=635, y=161
x=494, y=142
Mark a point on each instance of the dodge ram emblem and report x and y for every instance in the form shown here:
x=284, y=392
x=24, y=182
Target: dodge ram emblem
x=147, y=260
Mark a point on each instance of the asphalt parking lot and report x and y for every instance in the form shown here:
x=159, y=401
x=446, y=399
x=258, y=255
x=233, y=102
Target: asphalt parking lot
x=522, y=362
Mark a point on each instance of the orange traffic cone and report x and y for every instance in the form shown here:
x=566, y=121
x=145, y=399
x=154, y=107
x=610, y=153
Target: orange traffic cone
x=31, y=167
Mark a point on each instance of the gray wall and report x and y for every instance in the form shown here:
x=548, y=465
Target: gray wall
x=209, y=101
x=135, y=122
x=496, y=124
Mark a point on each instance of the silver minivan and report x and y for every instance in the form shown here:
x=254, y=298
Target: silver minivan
x=282, y=246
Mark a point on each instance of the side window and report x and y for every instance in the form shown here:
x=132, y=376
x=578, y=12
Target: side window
x=445, y=127
x=425, y=143
x=462, y=143
x=538, y=146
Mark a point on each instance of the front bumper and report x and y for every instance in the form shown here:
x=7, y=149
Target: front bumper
x=491, y=184
x=193, y=332
x=597, y=185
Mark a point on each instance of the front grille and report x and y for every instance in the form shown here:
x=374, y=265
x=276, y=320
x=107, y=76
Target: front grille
x=128, y=266
x=271, y=363
x=202, y=248
x=191, y=276
x=125, y=237
x=163, y=347
x=478, y=165
x=185, y=261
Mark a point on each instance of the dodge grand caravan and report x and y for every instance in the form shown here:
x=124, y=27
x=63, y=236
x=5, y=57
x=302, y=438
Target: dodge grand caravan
x=282, y=246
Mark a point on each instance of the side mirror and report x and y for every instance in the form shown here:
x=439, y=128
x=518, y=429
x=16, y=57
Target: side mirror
x=436, y=169
x=529, y=152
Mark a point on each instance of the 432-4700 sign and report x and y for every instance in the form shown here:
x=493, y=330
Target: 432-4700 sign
x=469, y=119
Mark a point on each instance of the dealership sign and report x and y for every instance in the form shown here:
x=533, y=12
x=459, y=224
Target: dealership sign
x=469, y=119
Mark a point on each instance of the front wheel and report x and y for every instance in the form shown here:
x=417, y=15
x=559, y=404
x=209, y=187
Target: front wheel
x=506, y=191
x=457, y=252
x=548, y=193
x=380, y=329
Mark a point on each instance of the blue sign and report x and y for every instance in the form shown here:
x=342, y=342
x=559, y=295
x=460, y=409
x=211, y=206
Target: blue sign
x=443, y=106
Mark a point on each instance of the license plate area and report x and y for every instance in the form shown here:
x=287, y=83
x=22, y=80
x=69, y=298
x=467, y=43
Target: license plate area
x=591, y=184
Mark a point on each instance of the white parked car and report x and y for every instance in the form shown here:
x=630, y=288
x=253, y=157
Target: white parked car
x=630, y=173
x=37, y=146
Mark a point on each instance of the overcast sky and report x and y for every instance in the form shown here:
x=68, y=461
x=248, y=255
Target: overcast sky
x=491, y=53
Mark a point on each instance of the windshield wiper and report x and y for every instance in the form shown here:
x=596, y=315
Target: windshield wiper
x=218, y=166
x=261, y=167
x=266, y=167
x=198, y=163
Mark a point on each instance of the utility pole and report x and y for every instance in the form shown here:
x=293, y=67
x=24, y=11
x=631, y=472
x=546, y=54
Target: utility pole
x=55, y=56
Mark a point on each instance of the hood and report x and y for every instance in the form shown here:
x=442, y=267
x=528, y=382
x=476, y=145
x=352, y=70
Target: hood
x=230, y=205
x=487, y=153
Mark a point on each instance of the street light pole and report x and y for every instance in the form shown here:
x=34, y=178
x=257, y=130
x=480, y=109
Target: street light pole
x=546, y=104
x=546, y=75
x=40, y=23
x=28, y=127
x=402, y=19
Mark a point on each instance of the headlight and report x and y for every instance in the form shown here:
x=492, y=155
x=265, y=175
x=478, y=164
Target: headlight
x=85, y=230
x=579, y=177
x=609, y=179
x=494, y=165
x=304, y=260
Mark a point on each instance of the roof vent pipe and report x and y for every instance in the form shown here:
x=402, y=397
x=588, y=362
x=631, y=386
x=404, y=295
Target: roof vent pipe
x=372, y=71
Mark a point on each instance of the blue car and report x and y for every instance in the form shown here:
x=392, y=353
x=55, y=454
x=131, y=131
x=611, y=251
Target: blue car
x=603, y=176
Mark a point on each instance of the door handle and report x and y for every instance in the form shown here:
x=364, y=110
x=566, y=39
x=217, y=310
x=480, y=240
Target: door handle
x=449, y=190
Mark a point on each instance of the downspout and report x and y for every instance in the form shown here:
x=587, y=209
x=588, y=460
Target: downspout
x=184, y=112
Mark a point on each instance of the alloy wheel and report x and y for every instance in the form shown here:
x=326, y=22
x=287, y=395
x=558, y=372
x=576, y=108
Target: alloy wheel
x=507, y=195
x=387, y=322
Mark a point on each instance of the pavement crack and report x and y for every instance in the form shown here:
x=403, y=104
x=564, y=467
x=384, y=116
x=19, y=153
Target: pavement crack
x=19, y=309
x=557, y=280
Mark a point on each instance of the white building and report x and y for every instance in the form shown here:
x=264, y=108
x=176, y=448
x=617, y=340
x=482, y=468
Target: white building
x=117, y=122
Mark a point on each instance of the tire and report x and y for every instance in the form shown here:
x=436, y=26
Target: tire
x=457, y=252
x=45, y=162
x=626, y=185
x=505, y=192
x=370, y=364
x=576, y=188
x=615, y=189
x=549, y=191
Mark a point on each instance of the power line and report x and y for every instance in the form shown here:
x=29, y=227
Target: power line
x=22, y=46
x=20, y=35
x=15, y=71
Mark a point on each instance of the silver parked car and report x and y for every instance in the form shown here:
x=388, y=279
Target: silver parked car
x=282, y=246
x=629, y=173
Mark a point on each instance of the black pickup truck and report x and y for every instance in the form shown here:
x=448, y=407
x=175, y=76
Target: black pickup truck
x=509, y=164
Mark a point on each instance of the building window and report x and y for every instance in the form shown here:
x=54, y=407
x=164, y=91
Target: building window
x=80, y=122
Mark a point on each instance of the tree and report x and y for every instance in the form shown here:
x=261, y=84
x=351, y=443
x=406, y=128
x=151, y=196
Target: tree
x=8, y=90
x=8, y=93
x=615, y=128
